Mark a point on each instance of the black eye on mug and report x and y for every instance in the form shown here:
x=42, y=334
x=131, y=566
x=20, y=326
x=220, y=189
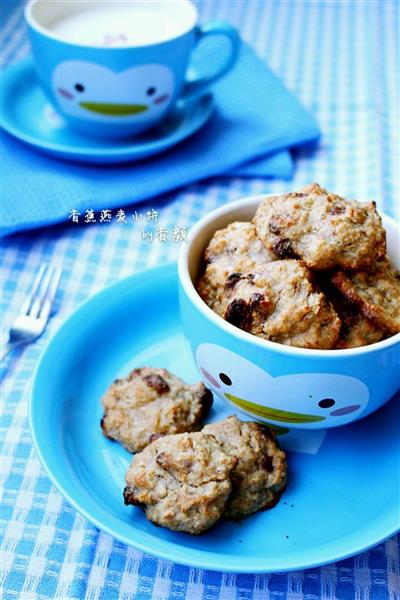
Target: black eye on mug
x=151, y=91
x=326, y=403
x=225, y=379
x=79, y=87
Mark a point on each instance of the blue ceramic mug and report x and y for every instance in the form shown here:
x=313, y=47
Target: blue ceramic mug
x=284, y=386
x=115, y=69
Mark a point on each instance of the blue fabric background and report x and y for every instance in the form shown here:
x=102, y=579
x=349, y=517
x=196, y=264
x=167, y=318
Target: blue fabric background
x=341, y=60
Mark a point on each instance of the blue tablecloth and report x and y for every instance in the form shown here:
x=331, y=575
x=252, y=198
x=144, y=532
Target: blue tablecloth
x=341, y=59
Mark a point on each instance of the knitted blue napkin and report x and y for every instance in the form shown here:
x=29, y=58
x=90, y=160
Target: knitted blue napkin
x=255, y=122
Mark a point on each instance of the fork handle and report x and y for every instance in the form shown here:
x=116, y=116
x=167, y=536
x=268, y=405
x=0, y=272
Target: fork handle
x=6, y=349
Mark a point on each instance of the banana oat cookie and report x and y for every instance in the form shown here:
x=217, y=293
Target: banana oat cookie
x=279, y=302
x=259, y=476
x=322, y=229
x=376, y=293
x=149, y=402
x=355, y=330
x=182, y=481
x=235, y=248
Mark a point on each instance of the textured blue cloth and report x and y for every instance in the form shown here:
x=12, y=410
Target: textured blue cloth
x=341, y=60
x=255, y=116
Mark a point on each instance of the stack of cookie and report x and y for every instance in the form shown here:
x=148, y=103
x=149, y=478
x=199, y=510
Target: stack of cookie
x=184, y=478
x=310, y=271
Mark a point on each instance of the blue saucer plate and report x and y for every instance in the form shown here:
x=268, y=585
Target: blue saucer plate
x=28, y=116
x=342, y=495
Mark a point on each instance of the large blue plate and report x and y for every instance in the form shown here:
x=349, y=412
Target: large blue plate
x=28, y=116
x=342, y=495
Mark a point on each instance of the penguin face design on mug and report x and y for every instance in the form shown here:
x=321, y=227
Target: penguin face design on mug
x=306, y=400
x=90, y=91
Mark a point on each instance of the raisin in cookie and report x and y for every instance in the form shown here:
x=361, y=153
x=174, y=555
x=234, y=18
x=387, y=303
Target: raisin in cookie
x=279, y=302
x=322, y=229
x=259, y=476
x=376, y=293
x=235, y=248
x=150, y=402
x=183, y=481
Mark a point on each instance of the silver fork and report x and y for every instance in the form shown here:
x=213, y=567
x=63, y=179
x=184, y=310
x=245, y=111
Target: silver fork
x=31, y=322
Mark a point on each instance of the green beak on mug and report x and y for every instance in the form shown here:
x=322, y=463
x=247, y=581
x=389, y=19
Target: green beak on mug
x=274, y=414
x=116, y=110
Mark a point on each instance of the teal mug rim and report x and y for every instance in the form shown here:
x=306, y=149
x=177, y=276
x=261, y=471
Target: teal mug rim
x=189, y=289
x=33, y=24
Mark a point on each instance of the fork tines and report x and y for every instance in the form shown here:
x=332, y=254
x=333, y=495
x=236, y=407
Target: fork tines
x=44, y=289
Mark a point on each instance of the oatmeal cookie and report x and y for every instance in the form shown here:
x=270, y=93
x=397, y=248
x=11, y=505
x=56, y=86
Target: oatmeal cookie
x=279, y=302
x=149, y=402
x=183, y=481
x=259, y=477
x=355, y=330
x=235, y=248
x=321, y=228
x=376, y=293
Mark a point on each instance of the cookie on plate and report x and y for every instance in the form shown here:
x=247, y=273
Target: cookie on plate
x=322, y=229
x=279, y=302
x=376, y=293
x=235, y=248
x=259, y=476
x=149, y=402
x=182, y=481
